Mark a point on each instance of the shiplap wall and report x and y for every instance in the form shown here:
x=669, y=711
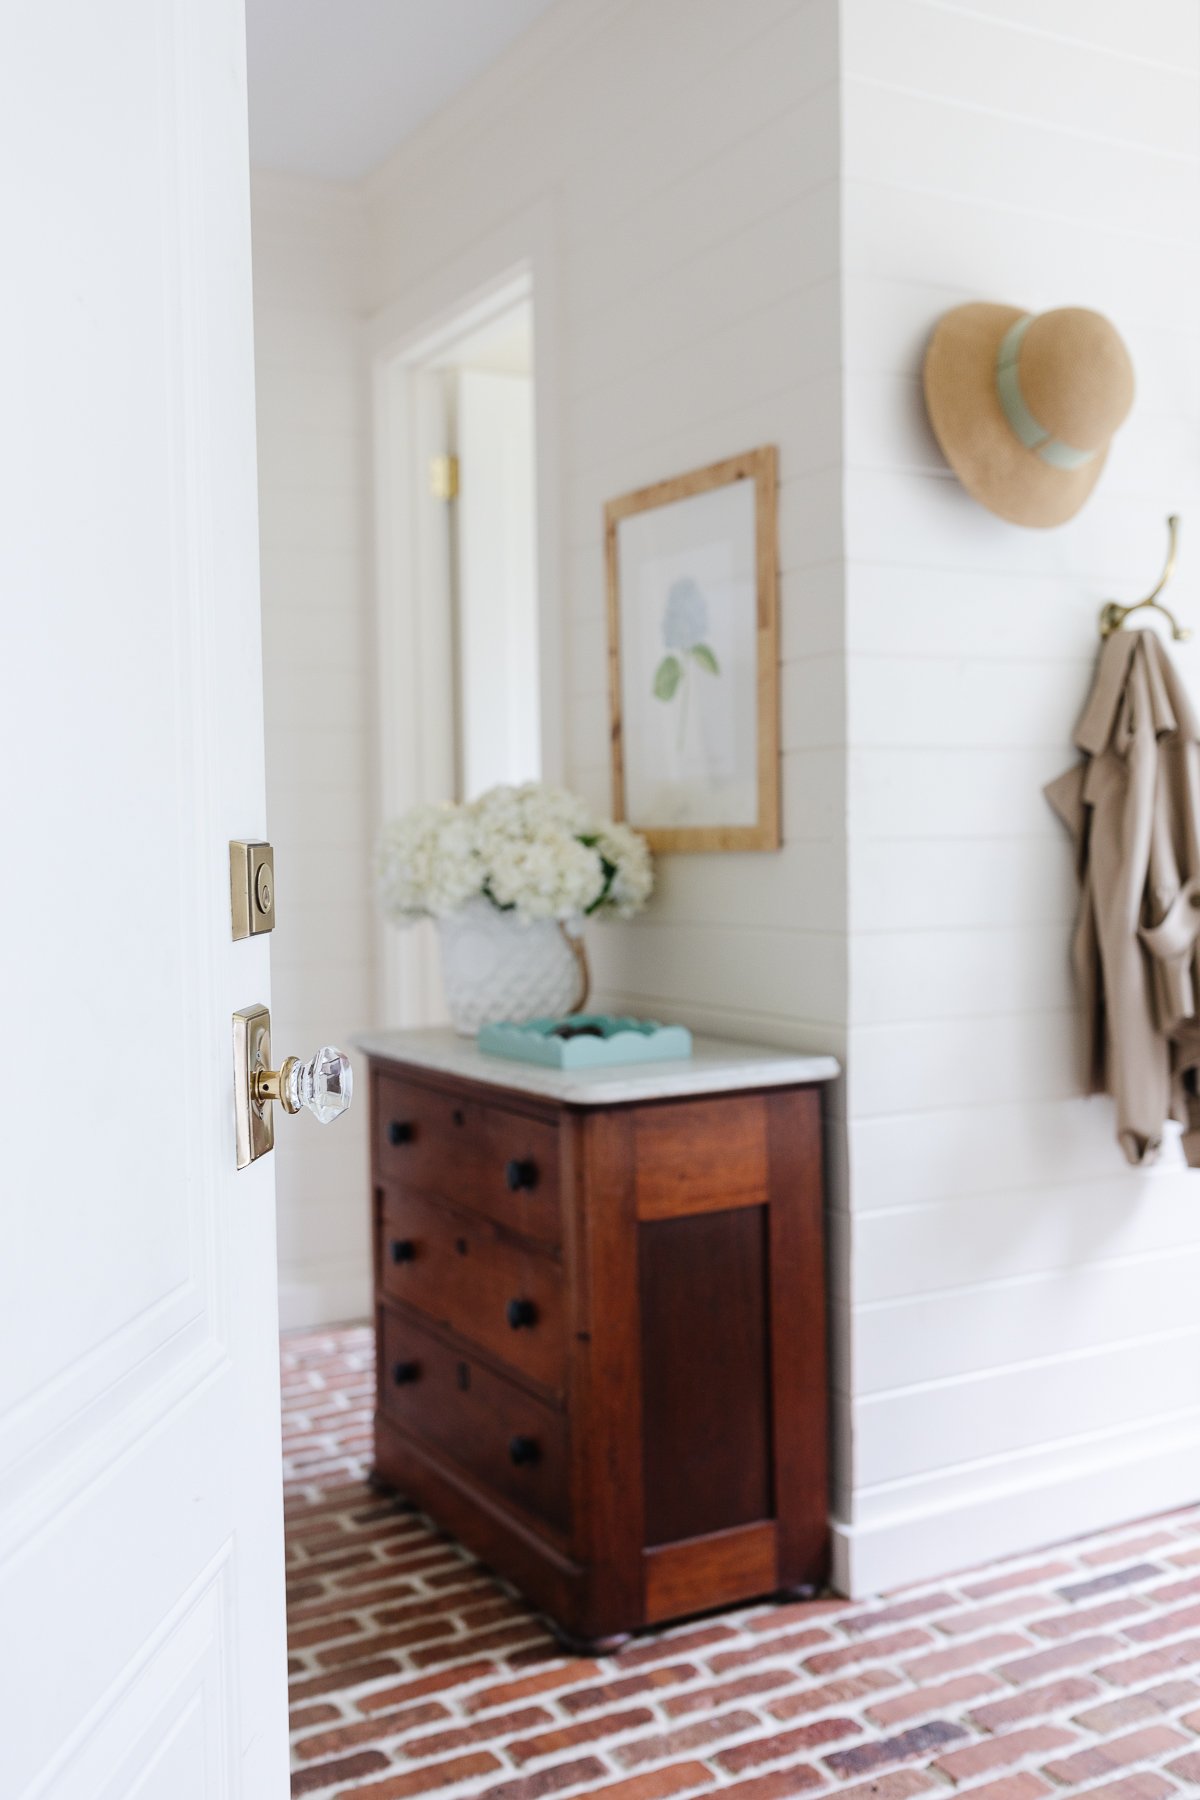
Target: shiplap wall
x=1024, y=1326
x=686, y=153
x=309, y=259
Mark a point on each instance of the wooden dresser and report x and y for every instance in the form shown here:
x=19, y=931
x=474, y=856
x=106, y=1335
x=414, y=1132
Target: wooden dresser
x=600, y=1317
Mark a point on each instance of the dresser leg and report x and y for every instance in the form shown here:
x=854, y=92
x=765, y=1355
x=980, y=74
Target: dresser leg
x=803, y=1590
x=379, y=1484
x=585, y=1646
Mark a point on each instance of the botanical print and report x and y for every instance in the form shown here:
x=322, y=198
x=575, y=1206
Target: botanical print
x=684, y=626
x=689, y=662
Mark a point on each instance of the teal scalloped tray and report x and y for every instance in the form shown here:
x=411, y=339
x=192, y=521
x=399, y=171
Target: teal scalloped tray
x=624, y=1041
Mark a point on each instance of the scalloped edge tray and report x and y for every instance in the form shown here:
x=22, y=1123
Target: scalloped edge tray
x=627, y=1041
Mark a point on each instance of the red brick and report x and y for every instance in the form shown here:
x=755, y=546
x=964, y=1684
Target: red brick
x=1001, y=1612
x=569, y=1737
x=609, y=1692
x=921, y=1740
x=1152, y=1662
x=424, y=1781
x=789, y=1645
x=697, y=1736
x=800, y=1778
x=375, y=1730
x=482, y=1731
x=1148, y=1786
x=1088, y=1618
x=1025, y=1786
x=418, y=1686
x=1131, y=1709
x=903, y=1707
x=964, y=1656
x=900, y=1784
x=340, y=1679
x=840, y=1692
x=304, y=1716
x=1174, y=1590
x=1036, y=1576
x=484, y=1642
x=1115, y=1578
x=798, y=1612
x=327, y=1631
x=829, y=1662
x=1187, y=1768
x=1185, y=1559
x=1165, y=1625
x=1119, y=1753
x=319, y=1775
x=786, y=1743
x=1108, y=1553
x=505, y=1692
x=1000, y=1752
x=656, y=1650
x=1082, y=1651
x=547, y=1781
x=679, y=1778
x=760, y=1681
x=1033, y=1703
x=903, y=1610
x=387, y=1640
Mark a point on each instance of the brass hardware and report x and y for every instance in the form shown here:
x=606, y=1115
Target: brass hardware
x=272, y=1084
x=251, y=1059
x=443, y=477
x=251, y=887
x=1112, y=616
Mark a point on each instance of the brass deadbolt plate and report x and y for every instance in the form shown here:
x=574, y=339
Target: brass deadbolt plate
x=251, y=888
x=251, y=1056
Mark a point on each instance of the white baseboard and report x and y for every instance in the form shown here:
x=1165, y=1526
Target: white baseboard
x=1011, y=1520
x=315, y=1295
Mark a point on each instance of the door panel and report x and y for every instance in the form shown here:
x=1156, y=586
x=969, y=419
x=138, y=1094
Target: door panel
x=139, y=1440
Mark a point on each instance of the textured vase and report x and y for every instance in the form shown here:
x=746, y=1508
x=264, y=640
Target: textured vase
x=494, y=968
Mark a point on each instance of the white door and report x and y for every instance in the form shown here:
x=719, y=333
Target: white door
x=141, y=1619
x=497, y=582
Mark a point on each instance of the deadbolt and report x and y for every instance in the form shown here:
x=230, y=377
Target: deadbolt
x=251, y=887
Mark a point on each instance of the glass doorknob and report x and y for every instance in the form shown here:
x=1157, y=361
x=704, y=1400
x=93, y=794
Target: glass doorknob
x=324, y=1083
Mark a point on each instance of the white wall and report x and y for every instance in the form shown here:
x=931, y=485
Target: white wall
x=1026, y=1337
x=309, y=251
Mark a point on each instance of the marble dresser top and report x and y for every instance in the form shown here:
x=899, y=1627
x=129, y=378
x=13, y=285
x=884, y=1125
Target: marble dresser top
x=716, y=1066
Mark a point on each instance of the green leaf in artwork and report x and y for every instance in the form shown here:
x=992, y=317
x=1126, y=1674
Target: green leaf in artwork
x=706, y=658
x=667, y=677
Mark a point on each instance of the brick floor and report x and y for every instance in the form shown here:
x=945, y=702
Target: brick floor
x=416, y=1673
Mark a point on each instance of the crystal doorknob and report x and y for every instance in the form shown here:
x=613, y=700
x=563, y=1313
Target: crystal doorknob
x=324, y=1084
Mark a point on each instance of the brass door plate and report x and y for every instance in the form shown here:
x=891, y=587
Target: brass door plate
x=251, y=1052
x=251, y=887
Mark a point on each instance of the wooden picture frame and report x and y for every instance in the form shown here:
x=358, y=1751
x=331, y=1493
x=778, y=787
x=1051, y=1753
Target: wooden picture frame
x=693, y=600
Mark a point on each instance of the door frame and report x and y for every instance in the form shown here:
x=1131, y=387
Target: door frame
x=513, y=263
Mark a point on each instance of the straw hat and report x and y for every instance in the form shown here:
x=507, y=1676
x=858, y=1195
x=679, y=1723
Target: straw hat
x=1024, y=404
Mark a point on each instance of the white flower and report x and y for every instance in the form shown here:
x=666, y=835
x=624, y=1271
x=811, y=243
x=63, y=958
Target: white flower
x=534, y=850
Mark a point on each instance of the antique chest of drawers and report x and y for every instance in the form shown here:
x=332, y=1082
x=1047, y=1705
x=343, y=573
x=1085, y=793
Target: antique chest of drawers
x=600, y=1317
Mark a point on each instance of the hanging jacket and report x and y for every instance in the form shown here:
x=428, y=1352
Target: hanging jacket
x=1132, y=807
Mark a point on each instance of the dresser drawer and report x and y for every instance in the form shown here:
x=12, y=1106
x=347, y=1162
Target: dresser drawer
x=493, y=1430
x=490, y=1158
x=466, y=1273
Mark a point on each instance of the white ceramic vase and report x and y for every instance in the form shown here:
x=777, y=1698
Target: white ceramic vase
x=495, y=968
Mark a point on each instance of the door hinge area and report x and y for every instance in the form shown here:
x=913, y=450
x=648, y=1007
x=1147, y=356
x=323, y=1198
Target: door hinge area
x=443, y=477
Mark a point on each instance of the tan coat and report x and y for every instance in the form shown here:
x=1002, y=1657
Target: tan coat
x=1133, y=809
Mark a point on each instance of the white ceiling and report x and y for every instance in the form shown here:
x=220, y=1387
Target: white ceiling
x=336, y=85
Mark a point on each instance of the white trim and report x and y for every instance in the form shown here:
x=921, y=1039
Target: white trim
x=515, y=260
x=324, y=1295
x=1131, y=1482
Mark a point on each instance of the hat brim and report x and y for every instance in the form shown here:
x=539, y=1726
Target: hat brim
x=975, y=437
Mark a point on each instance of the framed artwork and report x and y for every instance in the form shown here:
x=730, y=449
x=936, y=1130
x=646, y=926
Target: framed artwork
x=693, y=645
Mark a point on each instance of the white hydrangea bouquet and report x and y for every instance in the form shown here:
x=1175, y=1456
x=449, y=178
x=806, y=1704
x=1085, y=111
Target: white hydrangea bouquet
x=509, y=878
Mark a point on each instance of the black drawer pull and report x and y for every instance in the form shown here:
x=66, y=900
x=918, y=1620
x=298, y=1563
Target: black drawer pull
x=402, y=1250
x=399, y=1131
x=405, y=1372
x=521, y=1312
x=523, y=1451
x=521, y=1173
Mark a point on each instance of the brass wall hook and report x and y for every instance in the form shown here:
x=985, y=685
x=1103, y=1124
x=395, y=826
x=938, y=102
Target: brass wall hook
x=1112, y=616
